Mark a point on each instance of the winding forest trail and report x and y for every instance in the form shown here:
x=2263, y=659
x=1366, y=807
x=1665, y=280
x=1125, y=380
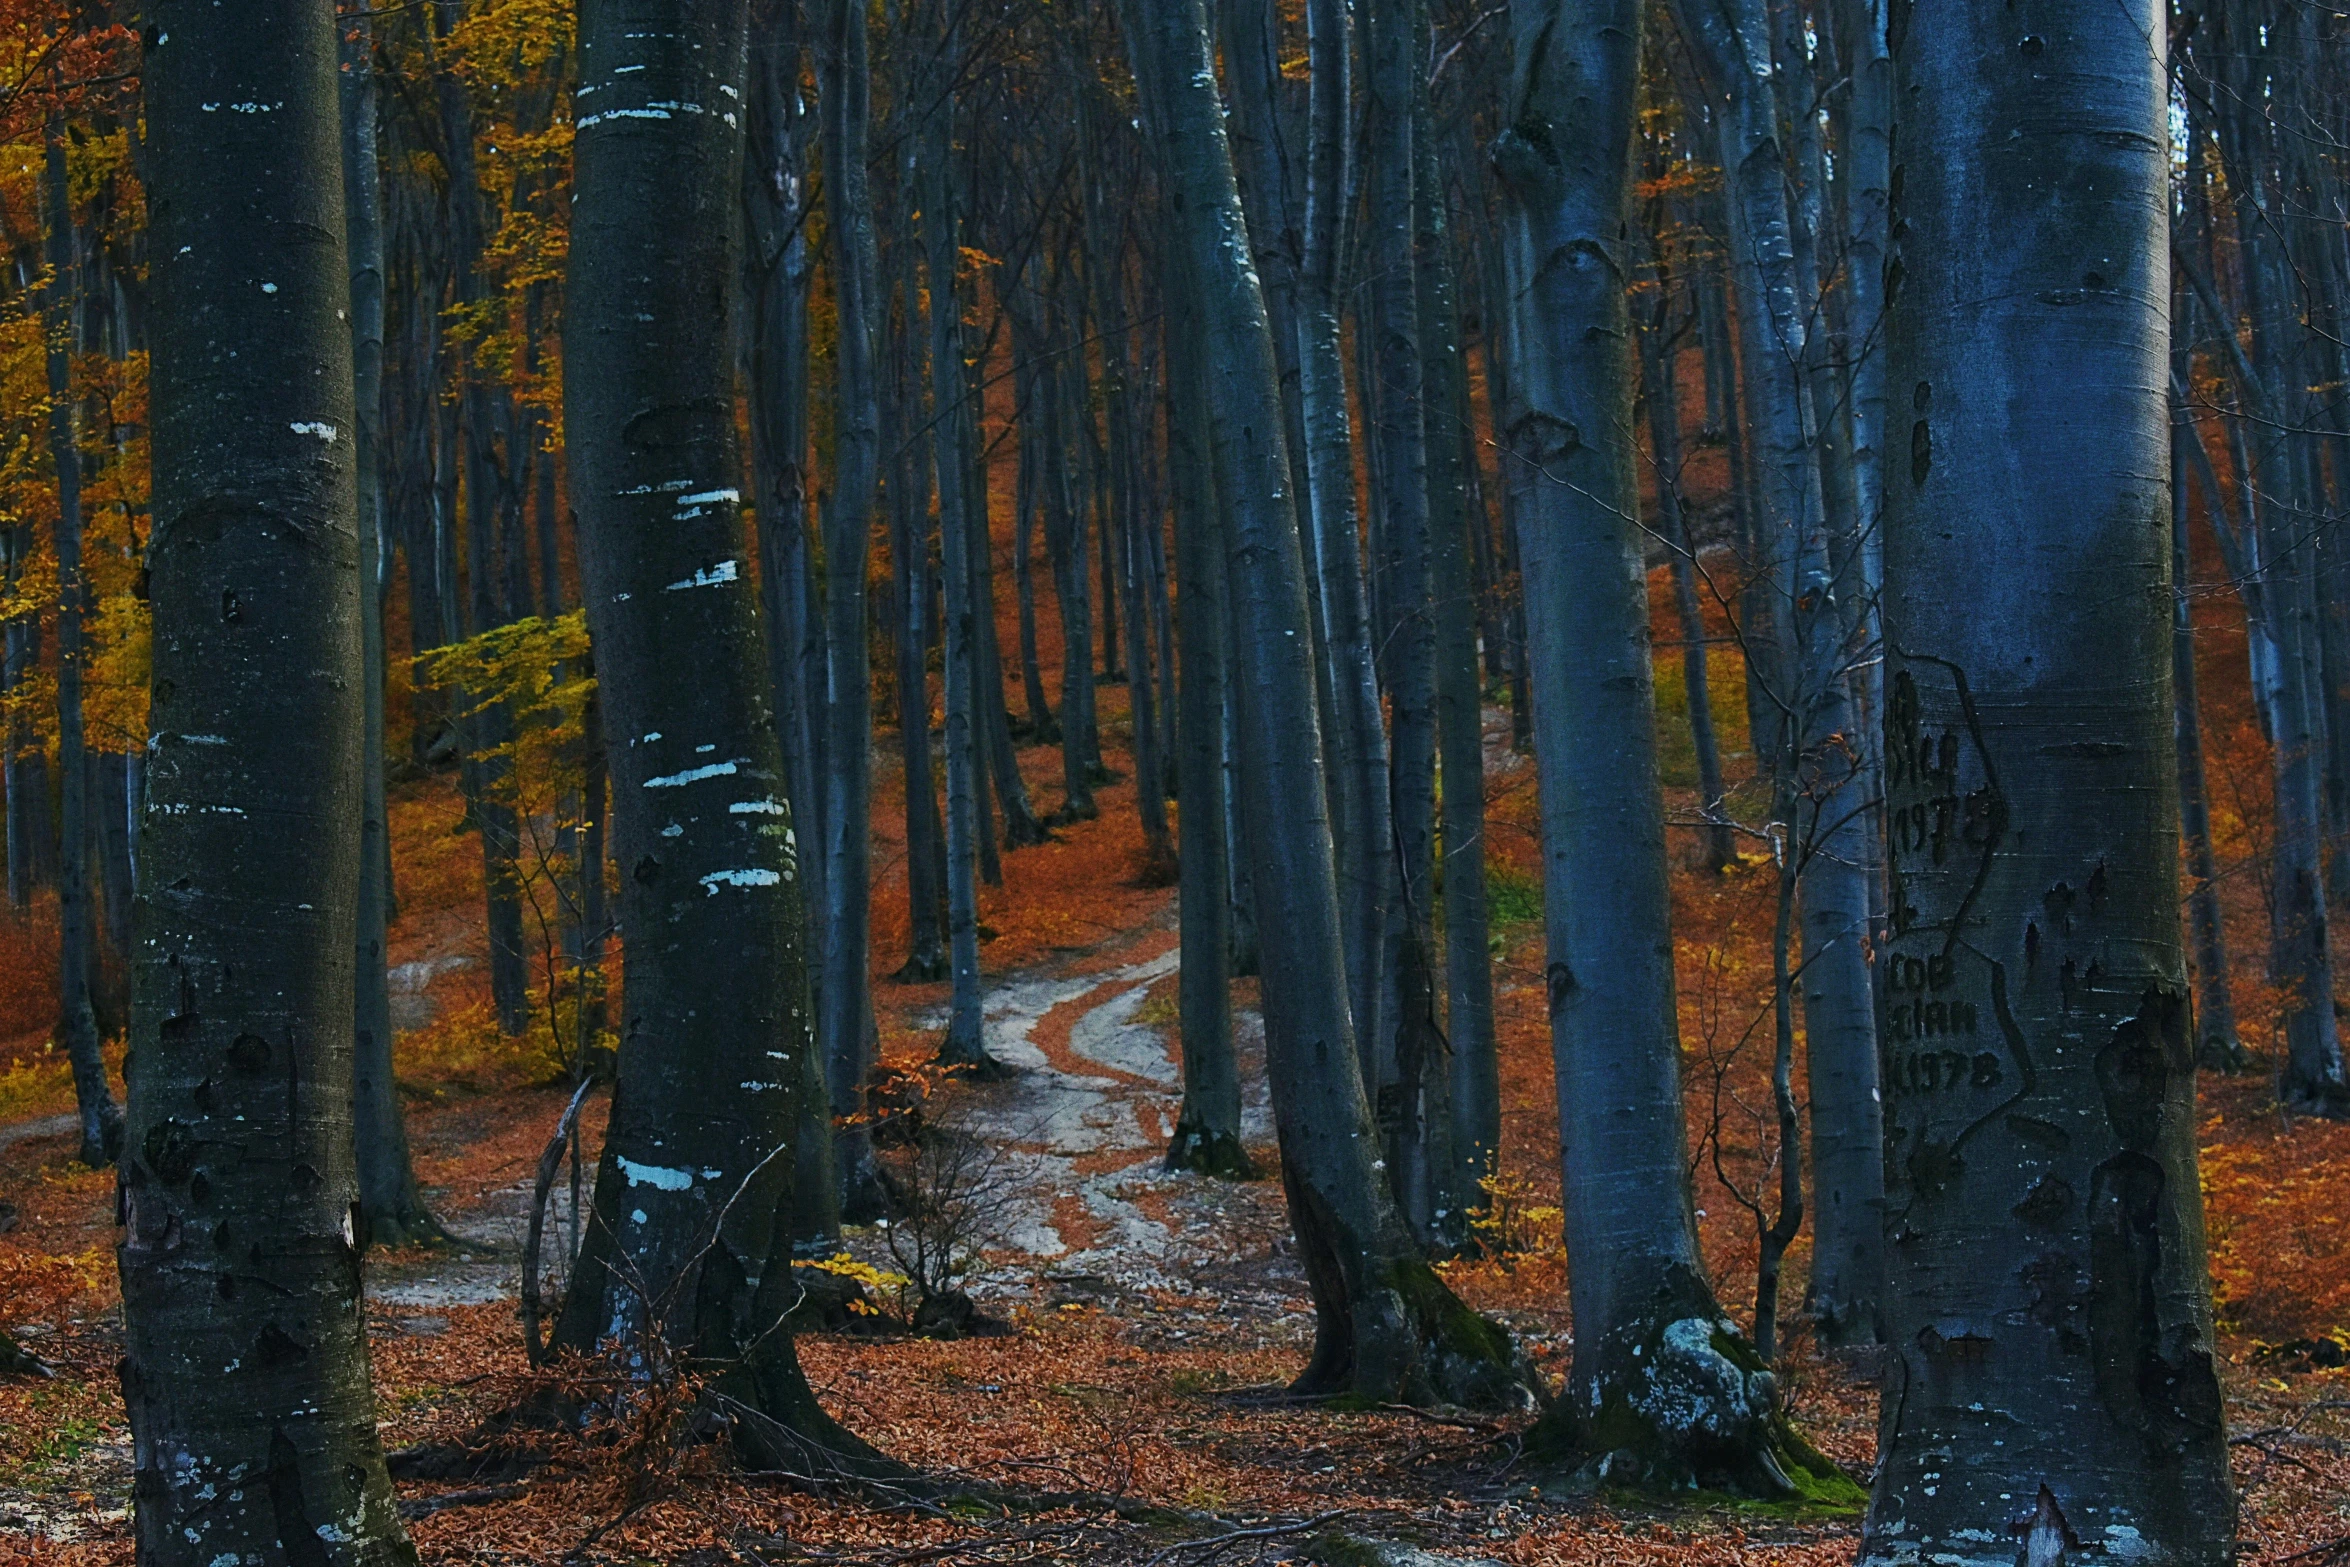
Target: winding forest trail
x=1075, y=1201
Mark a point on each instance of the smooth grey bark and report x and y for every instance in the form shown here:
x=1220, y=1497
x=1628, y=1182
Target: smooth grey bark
x=1813, y=574
x=245, y=1371
x=688, y=1255
x=965, y=1045
x=2047, y=1304
x=778, y=267
x=1404, y=1053
x=1662, y=1390
x=1468, y=1055
x=844, y=1025
x=392, y=1208
x=1385, y=1326
x=1207, y=1126
x=1357, y=738
x=77, y=929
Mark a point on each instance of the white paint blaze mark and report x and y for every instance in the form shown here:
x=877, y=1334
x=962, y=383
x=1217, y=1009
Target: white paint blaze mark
x=690, y=775
x=710, y=498
x=658, y=1176
x=757, y=808
x=622, y=114
x=707, y=577
x=649, y=738
x=750, y=878
x=318, y=427
x=204, y=739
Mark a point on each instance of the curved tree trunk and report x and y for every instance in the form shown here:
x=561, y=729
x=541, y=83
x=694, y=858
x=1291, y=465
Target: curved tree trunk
x=2045, y=1219
x=1385, y=1326
x=689, y=1252
x=245, y=1373
x=1661, y=1390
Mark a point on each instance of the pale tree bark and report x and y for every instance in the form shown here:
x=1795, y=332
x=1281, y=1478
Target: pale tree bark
x=689, y=1251
x=245, y=1370
x=1663, y=1390
x=1385, y=1326
x=2047, y=1304
x=77, y=928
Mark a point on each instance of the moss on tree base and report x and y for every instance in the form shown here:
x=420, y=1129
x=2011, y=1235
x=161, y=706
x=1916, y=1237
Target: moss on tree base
x=1686, y=1405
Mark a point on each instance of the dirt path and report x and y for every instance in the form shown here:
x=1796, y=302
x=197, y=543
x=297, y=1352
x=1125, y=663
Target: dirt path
x=1081, y=1206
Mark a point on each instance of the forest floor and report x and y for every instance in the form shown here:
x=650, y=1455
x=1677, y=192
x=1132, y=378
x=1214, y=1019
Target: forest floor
x=1149, y=1320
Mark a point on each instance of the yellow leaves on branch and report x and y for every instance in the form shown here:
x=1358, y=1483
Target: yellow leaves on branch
x=537, y=670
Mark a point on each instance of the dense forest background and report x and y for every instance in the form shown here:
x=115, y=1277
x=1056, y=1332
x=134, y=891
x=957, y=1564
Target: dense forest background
x=1049, y=1247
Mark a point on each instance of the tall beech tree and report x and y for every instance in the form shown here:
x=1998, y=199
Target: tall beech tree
x=1207, y=1127
x=1385, y=1326
x=689, y=1253
x=1663, y=1389
x=77, y=926
x=844, y=1024
x=245, y=1371
x=391, y=1204
x=2048, y=1306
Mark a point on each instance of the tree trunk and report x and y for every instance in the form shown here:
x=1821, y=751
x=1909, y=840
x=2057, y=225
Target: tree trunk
x=1467, y=1054
x=1031, y=497
x=2045, y=1222
x=965, y=1045
x=77, y=930
x=1358, y=735
x=1664, y=445
x=777, y=268
x=1207, y=1128
x=689, y=1251
x=845, y=1029
x=1064, y=536
x=926, y=854
x=1661, y=1390
x=245, y=1371
x=1385, y=1326
x=390, y=1205
x=1810, y=688
x=2216, y=1045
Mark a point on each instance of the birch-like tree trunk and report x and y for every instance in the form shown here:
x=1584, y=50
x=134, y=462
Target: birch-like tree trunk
x=1662, y=1390
x=245, y=1370
x=2047, y=1303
